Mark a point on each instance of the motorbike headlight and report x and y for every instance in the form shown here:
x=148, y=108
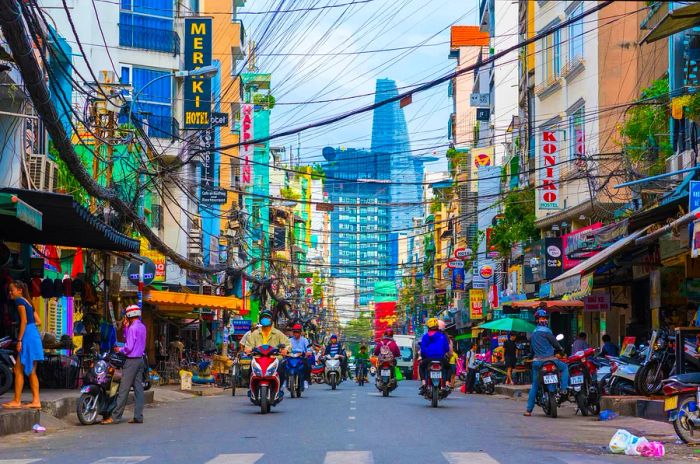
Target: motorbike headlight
x=272, y=368
x=256, y=368
x=100, y=368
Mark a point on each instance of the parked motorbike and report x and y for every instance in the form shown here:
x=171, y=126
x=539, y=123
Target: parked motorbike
x=7, y=363
x=435, y=387
x=658, y=365
x=622, y=374
x=333, y=371
x=264, y=378
x=295, y=374
x=682, y=405
x=484, y=382
x=386, y=380
x=98, y=396
x=548, y=391
x=583, y=381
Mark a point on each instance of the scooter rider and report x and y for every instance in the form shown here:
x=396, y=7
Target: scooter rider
x=544, y=344
x=334, y=348
x=267, y=334
x=388, y=341
x=433, y=347
x=300, y=344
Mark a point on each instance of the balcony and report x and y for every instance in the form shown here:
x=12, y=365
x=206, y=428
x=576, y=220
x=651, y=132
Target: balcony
x=238, y=46
x=573, y=68
x=485, y=13
x=547, y=87
x=146, y=38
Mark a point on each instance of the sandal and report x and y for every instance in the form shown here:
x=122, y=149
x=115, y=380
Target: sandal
x=108, y=421
x=527, y=414
x=134, y=421
x=31, y=406
x=12, y=405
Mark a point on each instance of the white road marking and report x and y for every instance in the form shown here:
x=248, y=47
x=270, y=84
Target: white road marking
x=18, y=461
x=469, y=458
x=349, y=457
x=351, y=417
x=352, y=409
x=351, y=430
x=242, y=458
x=353, y=401
x=122, y=460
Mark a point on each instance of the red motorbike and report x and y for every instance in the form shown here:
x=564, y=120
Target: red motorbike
x=318, y=373
x=583, y=381
x=264, y=378
x=681, y=405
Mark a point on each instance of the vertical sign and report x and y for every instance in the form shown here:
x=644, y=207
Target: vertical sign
x=247, y=149
x=206, y=138
x=198, y=52
x=482, y=157
x=548, y=172
x=694, y=195
x=553, y=257
x=458, y=279
x=476, y=303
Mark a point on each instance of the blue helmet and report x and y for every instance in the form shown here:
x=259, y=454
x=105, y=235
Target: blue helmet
x=541, y=317
x=332, y=337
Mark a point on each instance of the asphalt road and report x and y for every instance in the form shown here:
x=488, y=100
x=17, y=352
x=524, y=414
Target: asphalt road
x=352, y=425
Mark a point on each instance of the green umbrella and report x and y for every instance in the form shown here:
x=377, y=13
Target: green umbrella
x=509, y=324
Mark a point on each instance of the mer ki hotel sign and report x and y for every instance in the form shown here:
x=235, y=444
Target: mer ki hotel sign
x=198, y=53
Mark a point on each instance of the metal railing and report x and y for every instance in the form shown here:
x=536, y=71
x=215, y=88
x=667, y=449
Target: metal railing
x=147, y=38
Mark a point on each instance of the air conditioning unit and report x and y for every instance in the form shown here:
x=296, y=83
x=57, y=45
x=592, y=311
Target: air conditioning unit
x=43, y=173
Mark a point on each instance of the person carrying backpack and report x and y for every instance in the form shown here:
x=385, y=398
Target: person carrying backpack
x=387, y=350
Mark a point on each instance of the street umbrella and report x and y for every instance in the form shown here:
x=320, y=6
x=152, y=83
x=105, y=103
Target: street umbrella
x=509, y=324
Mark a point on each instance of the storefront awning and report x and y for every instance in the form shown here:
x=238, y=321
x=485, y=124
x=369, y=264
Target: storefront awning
x=55, y=219
x=549, y=305
x=675, y=21
x=186, y=302
x=570, y=281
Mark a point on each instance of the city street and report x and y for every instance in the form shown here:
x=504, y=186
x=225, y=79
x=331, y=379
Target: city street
x=350, y=425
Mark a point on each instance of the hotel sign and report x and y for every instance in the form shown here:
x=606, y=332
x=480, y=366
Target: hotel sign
x=548, y=172
x=198, y=53
x=247, y=149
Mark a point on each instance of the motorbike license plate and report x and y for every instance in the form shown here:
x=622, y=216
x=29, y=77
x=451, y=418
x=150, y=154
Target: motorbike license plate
x=550, y=379
x=671, y=403
x=435, y=375
x=385, y=372
x=576, y=380
x=487, y=379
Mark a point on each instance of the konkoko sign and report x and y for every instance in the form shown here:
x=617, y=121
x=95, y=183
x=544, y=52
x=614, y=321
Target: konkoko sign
x=548, y=172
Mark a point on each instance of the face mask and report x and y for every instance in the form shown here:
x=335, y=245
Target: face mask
x=266, y=322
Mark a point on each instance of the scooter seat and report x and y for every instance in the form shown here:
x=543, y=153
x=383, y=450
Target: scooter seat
x=690, y=377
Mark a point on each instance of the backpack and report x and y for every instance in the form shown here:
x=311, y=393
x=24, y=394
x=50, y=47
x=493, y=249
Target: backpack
x=385, y=353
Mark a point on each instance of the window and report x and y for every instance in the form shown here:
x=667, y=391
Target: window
x=148, y=24
x=576, y=35
x=154, y=102
x=551, y=56
x=577, y=148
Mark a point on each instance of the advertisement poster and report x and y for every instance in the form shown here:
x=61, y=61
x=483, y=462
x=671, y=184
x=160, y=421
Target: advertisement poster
x=553, y=257
x=482, y=157
x=458, y=279
x=548, y=172
x=476, y=303
x=384, y=317
x=158, y=259
x=575, y=243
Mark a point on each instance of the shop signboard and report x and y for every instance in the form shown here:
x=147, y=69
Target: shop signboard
x=158, y=259
x=458, y=279
x=567, y=285
x=483, y=114
x=695, y=243
x=454, y=263
x=219, y=119
x=597, y=302
x=486, y=271
x=241, y=326
x=247, y=149
x=577, y=245
x=694, y=195
x=476, y=303
x=463, y=253
x=553, y=257
x=481, y=157
x=548, y=172
x=198, y=53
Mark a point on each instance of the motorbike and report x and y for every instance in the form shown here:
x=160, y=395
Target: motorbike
x=332, y=371
x=583, y=381
x=373, y=371
x=98, y=396
x=295, y=374
x=622, y=374
x=484, y=382
x=7, y=363
x=361, y=376
x=435, y=386
x=265, y=383
x=548, y=390
x=681, y=403
x=386, y=380
x=658, y=365
x=318, y=373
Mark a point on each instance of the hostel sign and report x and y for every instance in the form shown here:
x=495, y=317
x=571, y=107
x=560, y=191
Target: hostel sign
x=198, y=52
x=549, y=194
x=247, y=149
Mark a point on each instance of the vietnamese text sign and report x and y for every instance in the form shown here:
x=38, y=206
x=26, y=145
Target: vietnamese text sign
x=158, y=259
x=198, y=52
x=476, y=303
x=247, y=149
x=213, y=196
x=548, y=172
x=597, y=302
x=206, y=138
x=241, y=326
x=694, y=195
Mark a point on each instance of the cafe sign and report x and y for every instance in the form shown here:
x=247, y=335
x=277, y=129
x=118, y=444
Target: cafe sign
x=198, y=53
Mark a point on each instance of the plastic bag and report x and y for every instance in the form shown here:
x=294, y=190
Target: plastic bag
x=634, y=447
x=398, y=374
x=620, y=441
x=652, y=449
x=607, y=415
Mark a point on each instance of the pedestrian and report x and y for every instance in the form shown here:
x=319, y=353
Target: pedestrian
x=209, y=345
x=161, y=352
x=471, y=368
x=177, y=350
x=609, y=348
x=29, y=348
x=510, y=356
x=580, y=344
x=132, y=372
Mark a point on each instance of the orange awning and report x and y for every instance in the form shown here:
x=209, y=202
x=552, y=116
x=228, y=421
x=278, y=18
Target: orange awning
x=187, y=301
x=550, y=305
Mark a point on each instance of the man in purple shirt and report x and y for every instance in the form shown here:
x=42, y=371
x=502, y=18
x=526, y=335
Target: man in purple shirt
x=132, y=373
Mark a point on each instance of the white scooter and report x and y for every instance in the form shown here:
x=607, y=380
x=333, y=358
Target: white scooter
x=333, y=371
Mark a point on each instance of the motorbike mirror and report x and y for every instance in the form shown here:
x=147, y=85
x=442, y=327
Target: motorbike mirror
x=560, y=337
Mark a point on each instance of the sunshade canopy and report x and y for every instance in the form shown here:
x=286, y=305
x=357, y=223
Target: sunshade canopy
x=511, y=324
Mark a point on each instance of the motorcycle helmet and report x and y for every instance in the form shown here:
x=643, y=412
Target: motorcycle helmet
x=333, y=336
x=432, y=323
x=541, y=317
x=441, y=324
x=132, y=311
x=296, y=328
x=388, y=333
x=266, y=318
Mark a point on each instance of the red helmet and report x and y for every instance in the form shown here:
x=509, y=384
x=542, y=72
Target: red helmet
x=296, y=328
x=389, y=333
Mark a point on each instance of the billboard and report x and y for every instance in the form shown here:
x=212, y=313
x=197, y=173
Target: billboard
x=476, y=303
x=384, y=317
x=198, y=53
x=481, y=157
x=247, y=149
x=549, y=197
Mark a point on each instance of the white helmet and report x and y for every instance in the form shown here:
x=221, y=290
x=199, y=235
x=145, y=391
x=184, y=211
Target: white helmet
x=133, y=311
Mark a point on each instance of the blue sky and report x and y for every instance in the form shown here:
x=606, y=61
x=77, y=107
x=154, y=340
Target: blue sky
x=333, y=69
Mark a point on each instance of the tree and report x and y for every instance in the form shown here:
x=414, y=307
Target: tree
x=358, y=331
x=518, y=222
